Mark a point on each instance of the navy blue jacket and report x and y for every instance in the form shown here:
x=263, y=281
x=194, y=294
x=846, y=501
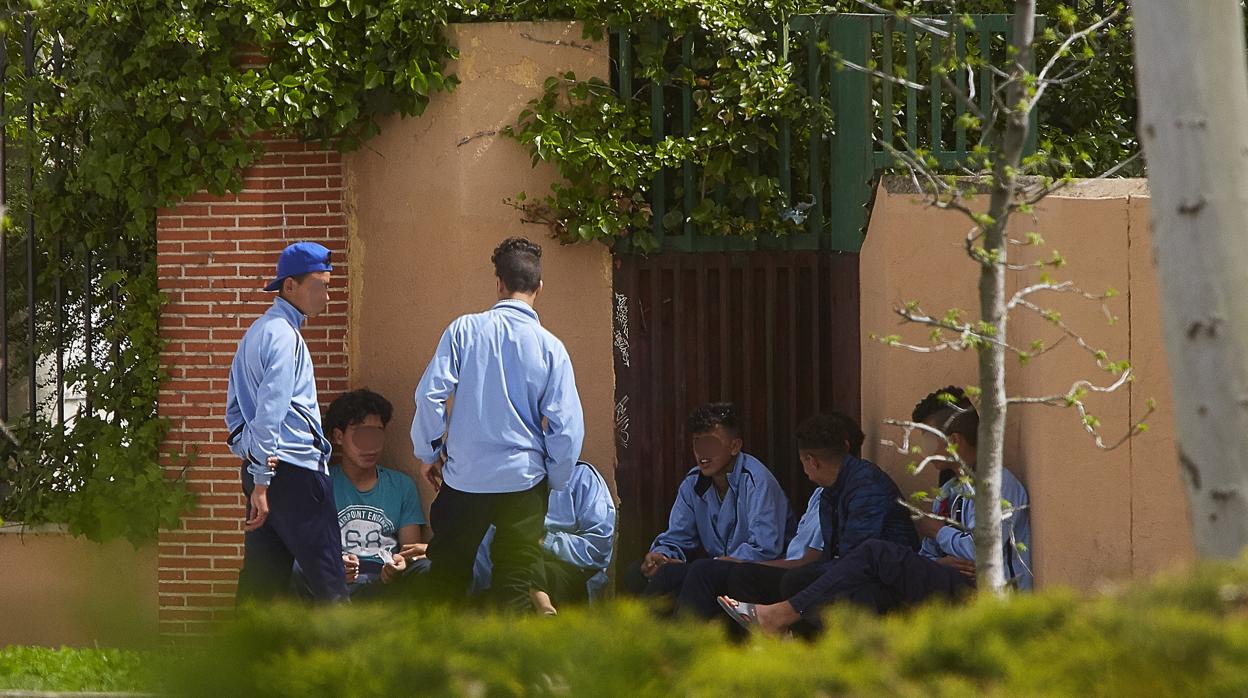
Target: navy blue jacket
x=861, y=505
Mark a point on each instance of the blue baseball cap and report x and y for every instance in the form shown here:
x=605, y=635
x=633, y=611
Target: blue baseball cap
x=300, y=258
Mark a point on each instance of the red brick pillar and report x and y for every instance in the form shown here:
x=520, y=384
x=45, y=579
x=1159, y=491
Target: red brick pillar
x=214, y=255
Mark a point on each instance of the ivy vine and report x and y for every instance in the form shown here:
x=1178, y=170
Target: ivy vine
x=155, y=100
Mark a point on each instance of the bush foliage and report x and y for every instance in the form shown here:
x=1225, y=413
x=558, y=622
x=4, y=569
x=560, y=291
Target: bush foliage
x=1178, y=637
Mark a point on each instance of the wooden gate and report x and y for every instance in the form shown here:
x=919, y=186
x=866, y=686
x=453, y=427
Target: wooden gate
x=774, y=332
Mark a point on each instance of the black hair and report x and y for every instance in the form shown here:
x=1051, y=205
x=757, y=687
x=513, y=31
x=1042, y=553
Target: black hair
x=950, y=410
x=833, y=433
x=518, y=262
x=716, y=414
x=354, y=407
x=299, y=278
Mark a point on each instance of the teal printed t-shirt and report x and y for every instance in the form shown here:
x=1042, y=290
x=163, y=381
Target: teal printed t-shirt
x=370, y=521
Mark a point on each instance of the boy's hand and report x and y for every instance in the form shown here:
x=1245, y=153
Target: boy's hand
x=966, y=567
x=433, y=473
x=272, y=462
x=413, y=551
x=393, y=569
x=258, y=508
x=351, y=566
x=653, y=561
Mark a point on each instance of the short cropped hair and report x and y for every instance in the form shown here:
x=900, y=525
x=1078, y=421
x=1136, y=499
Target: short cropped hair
x=716, y=414
x=518, y=262
x=950, y=410
x=833, y=434
x=356, y=406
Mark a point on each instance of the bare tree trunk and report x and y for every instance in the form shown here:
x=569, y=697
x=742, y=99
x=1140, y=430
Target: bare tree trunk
x=989, y=546
x=1193, y=90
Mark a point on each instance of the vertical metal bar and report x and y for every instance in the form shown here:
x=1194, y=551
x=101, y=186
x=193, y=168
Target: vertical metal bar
x=116, y=312
x=769, y=331
x=852, y=156
x=815, y=63
x=985, y=75
x=793, y=271
x=912, y=98
x=655, y=358
x=703, y=309
x=680, y=354
x=88, y=339
x=59, y=284
x=658, y=203
x=960, y=106
x=886, y=113
x=28, y=47
x=817, y=312
x=686, y=103
x=937, y=144
x=624, y=45
x=725, y=271
x=4, y=238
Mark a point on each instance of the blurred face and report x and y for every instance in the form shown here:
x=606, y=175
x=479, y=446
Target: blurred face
x=934, y=445
x=360, y=445
x=311, y=295
x=715, y=451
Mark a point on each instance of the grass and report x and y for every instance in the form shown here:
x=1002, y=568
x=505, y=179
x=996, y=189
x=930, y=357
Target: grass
x=66, y=669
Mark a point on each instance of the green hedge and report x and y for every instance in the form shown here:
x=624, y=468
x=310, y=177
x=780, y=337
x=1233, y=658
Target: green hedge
x=1173, y=638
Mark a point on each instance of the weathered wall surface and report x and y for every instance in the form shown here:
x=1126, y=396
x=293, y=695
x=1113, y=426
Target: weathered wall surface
x=426, y=209
x=1097, y=515
x=61, y=590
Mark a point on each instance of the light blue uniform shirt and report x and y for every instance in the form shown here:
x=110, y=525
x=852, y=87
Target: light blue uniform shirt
x=747, y=524
x=809, y=531
x=271, y=407
x=958, y=499
x=580, y=529
x=507, y=374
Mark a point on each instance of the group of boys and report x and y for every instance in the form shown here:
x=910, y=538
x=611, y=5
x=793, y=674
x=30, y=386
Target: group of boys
x=726, y=551
x=520, y=518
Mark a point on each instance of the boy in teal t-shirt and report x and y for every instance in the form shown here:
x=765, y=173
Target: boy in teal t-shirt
x=379, y=509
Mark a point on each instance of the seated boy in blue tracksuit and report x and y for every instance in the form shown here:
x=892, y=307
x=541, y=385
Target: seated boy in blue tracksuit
x=729, y=506
x=855, y=501
x=884, y=576
x=576, y=550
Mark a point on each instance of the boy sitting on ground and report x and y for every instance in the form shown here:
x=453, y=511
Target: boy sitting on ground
x=855, y=501
x=884, y=576
x=379, y=511
x=576, y=550
x=729, y=506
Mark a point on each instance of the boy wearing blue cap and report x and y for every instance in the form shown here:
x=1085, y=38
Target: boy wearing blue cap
x=275, y=428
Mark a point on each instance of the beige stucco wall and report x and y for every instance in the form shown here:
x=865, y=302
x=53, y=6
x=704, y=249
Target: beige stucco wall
x=61, y=590
x=426, y=208
x=1097, y=515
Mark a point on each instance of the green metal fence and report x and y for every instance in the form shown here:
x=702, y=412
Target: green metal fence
x=841, y=60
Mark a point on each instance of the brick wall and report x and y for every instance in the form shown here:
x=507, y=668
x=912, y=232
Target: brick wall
x=214, y=256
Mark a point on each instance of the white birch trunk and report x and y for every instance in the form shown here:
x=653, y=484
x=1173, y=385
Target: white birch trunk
x=989, y=545
x=1193, y=91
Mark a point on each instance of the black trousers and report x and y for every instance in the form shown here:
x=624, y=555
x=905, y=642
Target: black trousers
x=665, y=583
x=561, y=580
x=460, y=520
x=302, y=527
x=881, y=576
x=706, y=580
